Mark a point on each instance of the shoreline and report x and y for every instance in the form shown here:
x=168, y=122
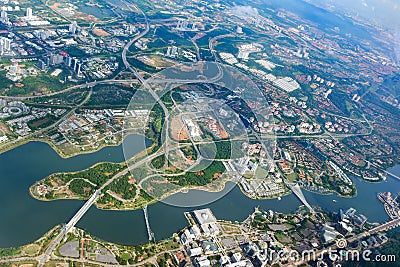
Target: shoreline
x=59, y=151
x=220, y=187
x=92, y=166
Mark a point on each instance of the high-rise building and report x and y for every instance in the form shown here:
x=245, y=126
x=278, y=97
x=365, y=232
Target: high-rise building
x=68, y=61
x=73, y=63
x=55, y=59
x=28, y=13
x=3, y=14
x=73, y=27
x=4, y=17
x=5, y=45
x=78, y=69
x=41, y=65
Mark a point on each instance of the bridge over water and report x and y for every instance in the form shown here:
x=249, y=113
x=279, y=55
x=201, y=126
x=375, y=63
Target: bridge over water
x=68, y=227
x=299, y=194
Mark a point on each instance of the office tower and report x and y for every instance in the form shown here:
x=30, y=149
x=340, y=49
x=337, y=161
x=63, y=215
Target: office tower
x=5, y=45
x=73, y=27
x=29, y=13
x=3, y=14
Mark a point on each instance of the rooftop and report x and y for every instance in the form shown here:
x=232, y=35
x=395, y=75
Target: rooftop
x=204, y=216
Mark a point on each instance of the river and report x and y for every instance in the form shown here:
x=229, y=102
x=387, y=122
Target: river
x=24, y=219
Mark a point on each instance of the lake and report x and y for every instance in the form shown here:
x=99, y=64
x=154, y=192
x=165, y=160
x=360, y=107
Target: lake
x=24, y=219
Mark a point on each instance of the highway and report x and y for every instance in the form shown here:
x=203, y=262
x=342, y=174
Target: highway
x=68, y=227
x=386, y=226
x=140, y=35
x=39, y=132
x=144, y=82
x=75, y=219
x=212, y=41
x=83, y=85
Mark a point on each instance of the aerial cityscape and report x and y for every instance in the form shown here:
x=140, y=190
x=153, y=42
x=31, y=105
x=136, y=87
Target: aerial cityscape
x=199, y=133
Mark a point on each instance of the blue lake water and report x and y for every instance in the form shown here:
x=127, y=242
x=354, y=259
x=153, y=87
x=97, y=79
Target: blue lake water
x=24, y=219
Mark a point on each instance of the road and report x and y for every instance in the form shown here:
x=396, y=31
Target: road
x=87, y=85
x=384, y=170
x=41, y=131
x=212, y=41
x=68, y=227
x=146, y=219
x=140, y=35
x=81, y=212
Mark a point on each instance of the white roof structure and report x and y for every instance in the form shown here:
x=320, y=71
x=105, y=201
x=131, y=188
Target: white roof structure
x=204, y=216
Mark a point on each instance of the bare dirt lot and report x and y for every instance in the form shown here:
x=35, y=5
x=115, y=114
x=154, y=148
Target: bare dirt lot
x=100, y=32
x=178, y=131
x=4, y=129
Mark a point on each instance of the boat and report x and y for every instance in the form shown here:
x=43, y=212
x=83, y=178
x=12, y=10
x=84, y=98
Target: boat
x=334, y=200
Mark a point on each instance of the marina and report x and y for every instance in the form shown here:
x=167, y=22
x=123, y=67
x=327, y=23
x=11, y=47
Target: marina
x=390, y=204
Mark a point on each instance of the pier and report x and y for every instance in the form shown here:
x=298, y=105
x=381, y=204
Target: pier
x=146, y=218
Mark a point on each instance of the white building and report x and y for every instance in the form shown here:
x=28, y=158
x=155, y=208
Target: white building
x=207, y=222
x=287, y=84
x=29, y=13
x=73, y=27
x=3, y=138
x=193, y=128
x=3, y=14
x=246, y=49
x=5, y=45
